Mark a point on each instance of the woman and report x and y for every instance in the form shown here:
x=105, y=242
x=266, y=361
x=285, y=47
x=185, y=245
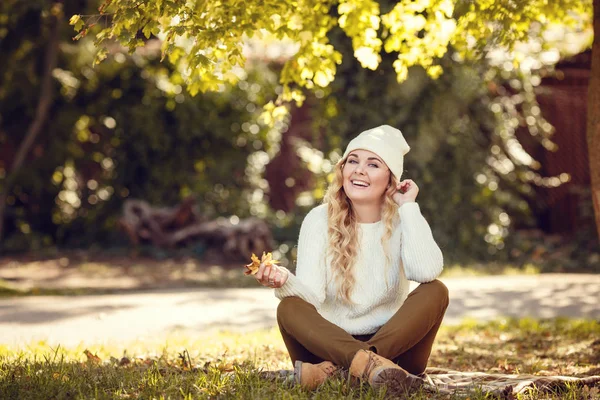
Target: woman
x=348, y=306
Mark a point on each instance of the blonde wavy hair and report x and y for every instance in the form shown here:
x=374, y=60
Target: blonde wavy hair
x=342, y=229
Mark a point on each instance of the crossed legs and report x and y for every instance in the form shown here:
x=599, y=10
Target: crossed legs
x=407, y=338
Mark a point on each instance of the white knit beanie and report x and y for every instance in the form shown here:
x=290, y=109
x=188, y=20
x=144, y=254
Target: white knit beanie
x=385, y=141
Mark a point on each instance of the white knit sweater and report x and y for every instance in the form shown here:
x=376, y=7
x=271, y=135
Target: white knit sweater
x=414, y=255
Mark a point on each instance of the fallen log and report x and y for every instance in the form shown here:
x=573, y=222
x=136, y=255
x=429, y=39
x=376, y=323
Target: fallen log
x=181, y=225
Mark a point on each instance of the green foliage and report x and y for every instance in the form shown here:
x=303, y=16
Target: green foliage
x=131, y=127
x=502, y=23
x=23, y=39
x=420, y=33
x=123, y=129
x=205, y=39
x=151, y=140
x=476, y=184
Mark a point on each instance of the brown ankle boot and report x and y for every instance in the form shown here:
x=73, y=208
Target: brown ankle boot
x=379, y=372
x=311, y=376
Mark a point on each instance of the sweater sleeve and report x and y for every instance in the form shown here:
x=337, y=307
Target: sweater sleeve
x=422, y=258
x=310, y=280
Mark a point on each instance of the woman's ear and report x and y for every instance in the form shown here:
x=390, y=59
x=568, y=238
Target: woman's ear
x=392, y=181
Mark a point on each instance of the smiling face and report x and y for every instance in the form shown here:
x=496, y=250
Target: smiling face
x=366, y=177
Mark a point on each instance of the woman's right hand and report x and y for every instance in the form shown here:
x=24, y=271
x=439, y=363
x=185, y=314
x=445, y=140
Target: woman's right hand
x=271, y=276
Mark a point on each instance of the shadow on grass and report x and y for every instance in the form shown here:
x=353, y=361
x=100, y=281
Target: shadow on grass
x=228, y=365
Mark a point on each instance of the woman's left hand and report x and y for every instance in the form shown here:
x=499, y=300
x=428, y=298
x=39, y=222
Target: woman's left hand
x=407, y=192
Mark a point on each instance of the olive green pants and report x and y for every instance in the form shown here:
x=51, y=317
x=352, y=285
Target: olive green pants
x=407, y=338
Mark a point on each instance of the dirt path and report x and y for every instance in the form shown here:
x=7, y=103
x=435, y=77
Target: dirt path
x=82, y=272
x=123, y=317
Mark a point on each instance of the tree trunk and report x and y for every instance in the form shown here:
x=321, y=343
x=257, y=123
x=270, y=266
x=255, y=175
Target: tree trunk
x=41, y=113
x=593, y=118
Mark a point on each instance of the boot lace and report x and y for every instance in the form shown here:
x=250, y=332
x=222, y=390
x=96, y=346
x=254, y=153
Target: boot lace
x=373, y=363
x=330, y=370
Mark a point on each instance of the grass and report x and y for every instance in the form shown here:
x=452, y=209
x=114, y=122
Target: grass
x=227, y=365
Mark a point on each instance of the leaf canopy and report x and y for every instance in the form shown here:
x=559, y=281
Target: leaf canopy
x=206, y=38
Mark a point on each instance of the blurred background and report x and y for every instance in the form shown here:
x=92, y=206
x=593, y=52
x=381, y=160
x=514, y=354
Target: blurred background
x=118, y=165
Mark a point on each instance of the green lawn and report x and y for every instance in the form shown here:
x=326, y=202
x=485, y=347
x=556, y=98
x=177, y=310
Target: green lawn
x=227, y=365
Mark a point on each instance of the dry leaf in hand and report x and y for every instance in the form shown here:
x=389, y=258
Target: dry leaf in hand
x=268, y=259
x=252, y=268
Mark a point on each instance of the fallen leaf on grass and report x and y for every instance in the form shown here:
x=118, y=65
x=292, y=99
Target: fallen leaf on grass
x=592, y=392
x=94, y=359
x=504, y=366
x=219, y=365
x=186, y=361
x=58, y=376
x=225, y=367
